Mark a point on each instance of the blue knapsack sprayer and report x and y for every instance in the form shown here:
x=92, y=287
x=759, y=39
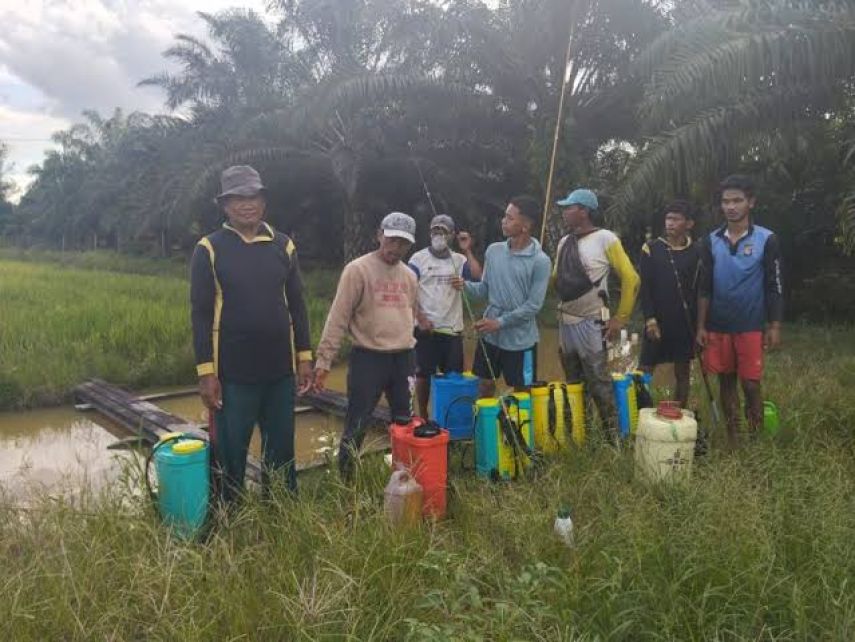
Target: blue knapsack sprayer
x=182, y=465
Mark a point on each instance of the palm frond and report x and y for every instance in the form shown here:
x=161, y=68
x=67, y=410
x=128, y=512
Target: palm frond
x=846, y=220
x=768, y=44
x=694, y=148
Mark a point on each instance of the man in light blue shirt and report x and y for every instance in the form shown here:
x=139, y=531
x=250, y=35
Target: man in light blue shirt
x=514, y=282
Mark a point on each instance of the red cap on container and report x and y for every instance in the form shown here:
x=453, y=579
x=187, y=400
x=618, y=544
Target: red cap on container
x=669, y=409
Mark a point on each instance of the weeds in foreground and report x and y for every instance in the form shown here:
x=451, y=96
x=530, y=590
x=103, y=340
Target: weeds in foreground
x=757, y=545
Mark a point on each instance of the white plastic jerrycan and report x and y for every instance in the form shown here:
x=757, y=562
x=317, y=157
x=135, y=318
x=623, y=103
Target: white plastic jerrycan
x=665, y=442
x=403, y=500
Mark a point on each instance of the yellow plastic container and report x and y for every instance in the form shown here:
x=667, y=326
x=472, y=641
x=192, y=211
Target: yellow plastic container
x=576, y=394
x=550, y=435
x=633, y=409
x=551, y=432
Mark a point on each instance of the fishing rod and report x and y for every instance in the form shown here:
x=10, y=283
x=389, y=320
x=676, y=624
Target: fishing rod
x=688, y=316
x=547, y=205
x=422, y=178
x=513, y=438
x=516, y=441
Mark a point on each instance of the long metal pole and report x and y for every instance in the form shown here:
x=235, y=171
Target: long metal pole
x=547, y=205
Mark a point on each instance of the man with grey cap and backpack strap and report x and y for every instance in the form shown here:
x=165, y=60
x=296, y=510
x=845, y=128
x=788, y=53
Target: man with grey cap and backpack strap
x=376, y=304
x=439, y=333
x=247, y=301
x=585, y=258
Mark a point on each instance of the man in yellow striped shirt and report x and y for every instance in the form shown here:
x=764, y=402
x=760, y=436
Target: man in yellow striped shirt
x=586, y=256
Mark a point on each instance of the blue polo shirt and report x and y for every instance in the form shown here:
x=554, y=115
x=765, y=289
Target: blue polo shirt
x=742, y=280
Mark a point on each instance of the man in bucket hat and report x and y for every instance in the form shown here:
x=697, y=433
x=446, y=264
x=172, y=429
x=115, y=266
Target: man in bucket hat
x=439, y=333
x=246, y=297
x=375, y=304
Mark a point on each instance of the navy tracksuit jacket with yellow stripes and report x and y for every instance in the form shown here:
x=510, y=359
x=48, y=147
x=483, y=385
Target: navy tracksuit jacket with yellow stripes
x=247, y=299
x=250, y=326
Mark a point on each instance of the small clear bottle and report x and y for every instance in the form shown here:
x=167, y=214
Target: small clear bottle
x=564, y=527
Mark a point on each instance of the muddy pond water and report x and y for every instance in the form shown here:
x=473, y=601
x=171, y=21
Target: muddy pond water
x=61, y=450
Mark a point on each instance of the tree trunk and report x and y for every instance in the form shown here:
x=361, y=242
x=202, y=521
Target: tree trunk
x=359, y=234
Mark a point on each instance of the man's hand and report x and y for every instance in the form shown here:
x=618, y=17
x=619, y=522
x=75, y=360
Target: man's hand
x=613, y=328
x=304, y=377
x=320, y=379
x=425, y=324
x=211, y=392
x=464, y=242
x=772, y=337
x=702, y=338
x=486, y=326
x=653, y=331
x=458, y=283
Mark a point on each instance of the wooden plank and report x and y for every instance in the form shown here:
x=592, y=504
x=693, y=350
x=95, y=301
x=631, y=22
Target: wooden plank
x=335, y=403
x=142, y=418
x=174, y=394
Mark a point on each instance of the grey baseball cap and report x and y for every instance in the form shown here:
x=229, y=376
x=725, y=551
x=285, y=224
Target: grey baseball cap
x=442, y=220
x=240, y=180
x=398, y=224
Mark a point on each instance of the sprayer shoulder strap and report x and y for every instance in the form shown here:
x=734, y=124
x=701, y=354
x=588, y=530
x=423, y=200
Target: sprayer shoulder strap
x=568, y=410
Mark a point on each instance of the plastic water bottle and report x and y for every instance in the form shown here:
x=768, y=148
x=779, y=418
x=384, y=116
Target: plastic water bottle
x=564, y=527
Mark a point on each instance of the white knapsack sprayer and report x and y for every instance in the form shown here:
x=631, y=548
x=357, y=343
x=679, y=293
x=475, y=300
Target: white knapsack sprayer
x=665, y=442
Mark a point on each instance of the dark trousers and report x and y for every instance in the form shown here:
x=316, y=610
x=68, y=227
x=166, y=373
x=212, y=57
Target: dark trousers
x=271, y=406
x=370, y=374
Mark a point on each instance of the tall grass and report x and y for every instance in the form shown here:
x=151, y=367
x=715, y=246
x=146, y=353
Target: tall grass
x=757, y=545
x=60, y=324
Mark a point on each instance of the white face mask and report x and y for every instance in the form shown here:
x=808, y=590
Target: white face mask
x=439, y=243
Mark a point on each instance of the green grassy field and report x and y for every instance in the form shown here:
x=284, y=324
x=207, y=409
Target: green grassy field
x=757, y=546
x=67, y=317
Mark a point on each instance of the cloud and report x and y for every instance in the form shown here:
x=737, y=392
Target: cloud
x=60, y=57
x=90, y=54
x=26, y=133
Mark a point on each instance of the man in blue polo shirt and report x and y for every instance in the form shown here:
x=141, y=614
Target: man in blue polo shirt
x=740, y=304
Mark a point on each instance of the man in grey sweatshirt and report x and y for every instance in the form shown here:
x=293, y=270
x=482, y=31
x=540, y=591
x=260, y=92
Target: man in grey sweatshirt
x=514, y=283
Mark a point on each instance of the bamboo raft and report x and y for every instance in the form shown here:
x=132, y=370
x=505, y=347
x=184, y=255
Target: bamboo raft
x=142, y=418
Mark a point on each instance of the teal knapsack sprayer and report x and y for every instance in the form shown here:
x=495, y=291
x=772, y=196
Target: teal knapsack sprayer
x=504, y=437
x=182, y=464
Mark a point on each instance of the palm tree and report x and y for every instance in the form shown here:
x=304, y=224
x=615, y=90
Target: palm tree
x=733, y=71
x=347, y=107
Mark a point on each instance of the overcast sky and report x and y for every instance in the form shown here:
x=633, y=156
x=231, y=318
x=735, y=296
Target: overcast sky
x=59, y=57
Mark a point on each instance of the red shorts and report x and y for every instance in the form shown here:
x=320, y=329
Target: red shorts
x=741, y=352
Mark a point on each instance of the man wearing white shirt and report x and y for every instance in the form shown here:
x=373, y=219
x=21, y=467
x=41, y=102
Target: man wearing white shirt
x=439, y=330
